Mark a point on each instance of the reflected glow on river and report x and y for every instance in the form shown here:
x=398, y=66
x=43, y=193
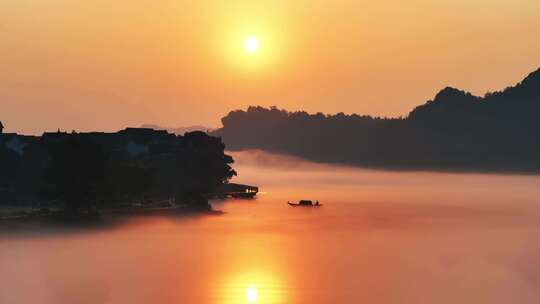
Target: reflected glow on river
x=381, y=237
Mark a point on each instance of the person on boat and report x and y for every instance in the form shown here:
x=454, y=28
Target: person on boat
x=317, y=203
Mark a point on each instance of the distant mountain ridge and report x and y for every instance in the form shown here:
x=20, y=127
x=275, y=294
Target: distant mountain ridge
x=519, y=99
x=455, y=131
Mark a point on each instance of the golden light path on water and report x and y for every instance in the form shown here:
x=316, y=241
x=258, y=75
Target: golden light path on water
x=257, y=274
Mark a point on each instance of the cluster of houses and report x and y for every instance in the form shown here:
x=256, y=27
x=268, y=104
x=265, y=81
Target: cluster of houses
x=15, y=142
x=153, y=145
x=135, y=141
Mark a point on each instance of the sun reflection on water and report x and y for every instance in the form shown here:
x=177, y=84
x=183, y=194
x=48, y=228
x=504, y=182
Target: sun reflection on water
x=255, y=287
x=251, y=294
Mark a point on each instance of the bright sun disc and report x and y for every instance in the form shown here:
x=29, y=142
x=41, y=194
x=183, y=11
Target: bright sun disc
x=251, y=44
x=251, y=294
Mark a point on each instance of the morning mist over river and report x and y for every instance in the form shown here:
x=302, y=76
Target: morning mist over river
x=380, y=237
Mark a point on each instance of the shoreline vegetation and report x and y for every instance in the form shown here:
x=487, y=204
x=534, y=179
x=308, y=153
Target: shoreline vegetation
x=77, y=176
x=454, y=132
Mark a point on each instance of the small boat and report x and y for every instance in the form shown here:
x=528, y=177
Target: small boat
x=305, y=203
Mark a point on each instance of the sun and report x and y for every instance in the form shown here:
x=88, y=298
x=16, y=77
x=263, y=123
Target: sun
x=251, y=45
x=251, y=294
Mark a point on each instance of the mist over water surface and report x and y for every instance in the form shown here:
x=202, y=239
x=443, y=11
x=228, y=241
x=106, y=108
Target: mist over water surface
x=381, y=237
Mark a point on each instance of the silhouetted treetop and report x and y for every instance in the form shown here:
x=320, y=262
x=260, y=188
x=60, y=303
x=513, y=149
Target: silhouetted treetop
x=449, y=103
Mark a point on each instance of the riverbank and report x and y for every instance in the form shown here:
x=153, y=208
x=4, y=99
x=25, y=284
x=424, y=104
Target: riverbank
x=22, y=215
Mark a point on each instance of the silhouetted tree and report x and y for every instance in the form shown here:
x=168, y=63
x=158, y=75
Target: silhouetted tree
x=126, y=181
x=9, y=164
x=201, y=166
x=75, y=174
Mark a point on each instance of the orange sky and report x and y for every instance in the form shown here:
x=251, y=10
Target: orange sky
x=104, y=65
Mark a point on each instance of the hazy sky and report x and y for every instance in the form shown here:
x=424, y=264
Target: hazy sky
x=105, y=64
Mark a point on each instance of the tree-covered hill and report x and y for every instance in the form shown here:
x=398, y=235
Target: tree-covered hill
x=455, y=131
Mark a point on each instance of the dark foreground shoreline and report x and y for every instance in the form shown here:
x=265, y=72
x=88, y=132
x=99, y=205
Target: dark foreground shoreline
x=37, y=223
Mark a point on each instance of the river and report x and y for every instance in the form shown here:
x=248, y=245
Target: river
x=380, y=237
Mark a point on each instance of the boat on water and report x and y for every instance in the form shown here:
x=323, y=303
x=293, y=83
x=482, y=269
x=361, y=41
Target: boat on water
x=305, y=203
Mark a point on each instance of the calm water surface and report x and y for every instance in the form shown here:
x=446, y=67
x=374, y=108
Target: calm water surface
x=381, y=237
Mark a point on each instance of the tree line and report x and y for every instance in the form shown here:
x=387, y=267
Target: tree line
x=455, y=131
